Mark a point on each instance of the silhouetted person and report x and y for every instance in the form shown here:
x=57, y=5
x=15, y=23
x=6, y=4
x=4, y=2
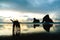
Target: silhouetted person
x=36, y=21
x=46, y=23
x=17, y=25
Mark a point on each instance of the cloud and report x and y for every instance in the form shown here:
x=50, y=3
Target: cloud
x=51, y=1
x=8, y=5
x=36, y=3
x=4, y=5
x=31, y=5
x=39, y=5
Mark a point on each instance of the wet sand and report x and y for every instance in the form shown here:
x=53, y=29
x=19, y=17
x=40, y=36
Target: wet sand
x=36, y=36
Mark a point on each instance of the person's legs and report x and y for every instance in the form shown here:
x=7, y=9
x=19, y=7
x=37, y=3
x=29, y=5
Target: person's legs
x=13, y=29
x=18, y=29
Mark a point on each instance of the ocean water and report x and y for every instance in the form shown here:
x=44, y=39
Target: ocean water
x=6, y=28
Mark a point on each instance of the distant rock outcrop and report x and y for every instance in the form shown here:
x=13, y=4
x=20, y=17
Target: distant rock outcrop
x=46, y=23
x=36, y=21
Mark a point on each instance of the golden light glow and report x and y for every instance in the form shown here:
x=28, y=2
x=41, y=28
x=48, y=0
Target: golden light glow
x=22, y=16
x=10, y=14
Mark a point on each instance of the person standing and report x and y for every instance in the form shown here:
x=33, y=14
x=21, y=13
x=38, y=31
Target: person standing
x=17, y=25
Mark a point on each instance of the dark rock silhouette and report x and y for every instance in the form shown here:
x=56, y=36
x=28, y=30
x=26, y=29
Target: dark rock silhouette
x=36, y=21
x=46, y=23
x=17, y=25
x=47, y=26
x=47, y=19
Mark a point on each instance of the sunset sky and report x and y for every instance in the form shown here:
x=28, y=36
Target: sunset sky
x=26, y=10
x=29, y=8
